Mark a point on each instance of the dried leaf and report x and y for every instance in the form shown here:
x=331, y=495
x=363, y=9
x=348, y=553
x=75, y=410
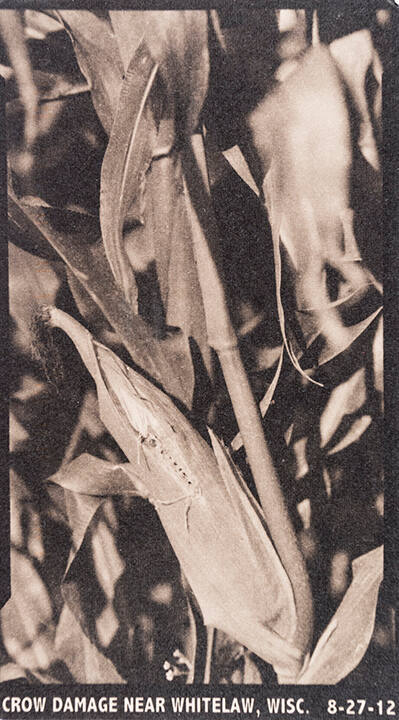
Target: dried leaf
x=347, y=636
x=215, y=527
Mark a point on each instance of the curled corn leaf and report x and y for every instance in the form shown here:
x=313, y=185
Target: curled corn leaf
x=215, y=526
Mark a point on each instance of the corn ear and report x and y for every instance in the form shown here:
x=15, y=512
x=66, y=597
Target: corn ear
x=215, y=526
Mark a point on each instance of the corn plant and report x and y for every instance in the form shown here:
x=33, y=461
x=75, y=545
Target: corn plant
x=219, y=370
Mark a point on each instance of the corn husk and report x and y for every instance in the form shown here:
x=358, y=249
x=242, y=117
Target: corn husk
x=215, y=526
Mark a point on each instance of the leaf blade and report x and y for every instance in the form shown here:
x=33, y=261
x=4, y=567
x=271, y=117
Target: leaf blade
x=126, y=161
x=89, y=475
x=99, y=59
x=347, y=636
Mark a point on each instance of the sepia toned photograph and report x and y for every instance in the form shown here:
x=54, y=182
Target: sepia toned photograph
x=195, y=275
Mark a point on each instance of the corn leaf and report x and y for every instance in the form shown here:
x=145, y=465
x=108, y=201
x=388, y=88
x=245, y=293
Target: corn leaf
x=98, y=56
x=86, y=662
x=88, y=481
x=170, y=228
x=125, y=164
x=347, y=636
x=89, y=475
x=165, y=239
x=89, y=265
x=357, y=428
x=129, y=28
x=345, y=399
x=27, y=621
x=215, y=527
x=11, y=671
x=135, y=188
x=94, y=552
x=178, y=43
x=111, y=575
x=357, y=57
x=298, y=190
x=143, y=212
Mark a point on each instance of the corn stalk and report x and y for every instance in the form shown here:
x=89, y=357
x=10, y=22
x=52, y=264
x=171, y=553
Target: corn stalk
x=222, y=338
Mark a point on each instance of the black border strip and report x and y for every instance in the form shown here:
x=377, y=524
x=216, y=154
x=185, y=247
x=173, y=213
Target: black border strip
x=390, y=158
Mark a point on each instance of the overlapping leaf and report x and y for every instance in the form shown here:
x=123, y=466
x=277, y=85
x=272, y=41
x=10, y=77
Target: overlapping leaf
x=176, y=43
x=39, y=631
x=143, y=214
x=89, y=265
